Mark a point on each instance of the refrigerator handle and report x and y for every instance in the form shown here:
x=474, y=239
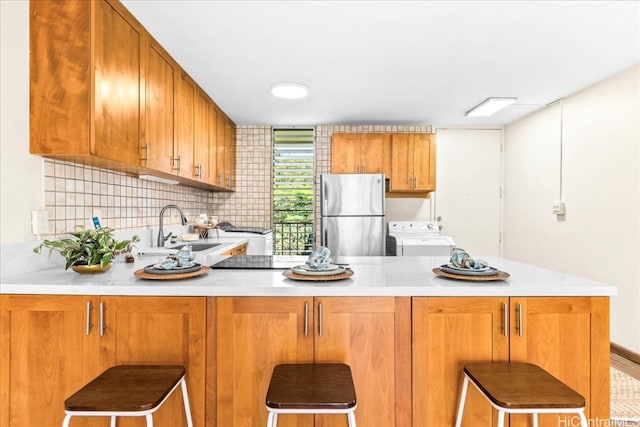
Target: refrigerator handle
x=323, y=194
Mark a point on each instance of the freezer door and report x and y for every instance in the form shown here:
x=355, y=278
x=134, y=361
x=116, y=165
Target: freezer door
x=352, y=194
x=354, y=236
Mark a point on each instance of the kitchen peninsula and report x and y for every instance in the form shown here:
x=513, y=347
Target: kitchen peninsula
x=404, y=331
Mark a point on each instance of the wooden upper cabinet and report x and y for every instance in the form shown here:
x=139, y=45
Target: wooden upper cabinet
x=230, y=152
x=104, y=93
x=413, y=163
x=221, y=158
x=85, y=81
x=184, y=117
x=358, y=152
x=159, y=100
x=201, y=141
x=118, y=58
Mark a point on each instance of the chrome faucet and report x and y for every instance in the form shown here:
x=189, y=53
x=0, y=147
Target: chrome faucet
x=161, y=237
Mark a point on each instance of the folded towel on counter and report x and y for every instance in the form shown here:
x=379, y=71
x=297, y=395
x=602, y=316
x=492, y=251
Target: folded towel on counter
x=461, y=259
x=320, y=258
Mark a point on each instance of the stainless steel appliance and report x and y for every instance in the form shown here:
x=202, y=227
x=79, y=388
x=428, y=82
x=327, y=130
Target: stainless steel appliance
x=259, y=240
x=352, y=210
x=420, y=238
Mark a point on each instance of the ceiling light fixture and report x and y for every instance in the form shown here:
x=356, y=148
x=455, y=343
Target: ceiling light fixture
x=289, y=90
x=490, y=106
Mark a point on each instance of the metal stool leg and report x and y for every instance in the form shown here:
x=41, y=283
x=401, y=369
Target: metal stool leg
x=65, y=422
x=272, y=419
x=463, y=398
x=534, y=416
x=185, y=400
x=583, y=419
x=500, y=419
x=149, y=418
x=113, y=421
x=352, y=419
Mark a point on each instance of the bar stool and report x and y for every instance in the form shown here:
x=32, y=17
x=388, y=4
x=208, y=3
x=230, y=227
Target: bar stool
x=516, y=388
x=128, y=391
x=311, y=388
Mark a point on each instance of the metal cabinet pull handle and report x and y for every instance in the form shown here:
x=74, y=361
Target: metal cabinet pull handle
x=306, y=319
x=520, y=324
x=320, y=319
x=103, y=326
x=88, y=324
x=145, y=147
x=505, y=320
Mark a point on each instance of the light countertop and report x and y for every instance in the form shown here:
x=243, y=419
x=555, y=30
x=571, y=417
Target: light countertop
x=373, y=276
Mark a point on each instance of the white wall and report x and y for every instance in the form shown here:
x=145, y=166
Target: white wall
x=20, y=173
x=584, y=151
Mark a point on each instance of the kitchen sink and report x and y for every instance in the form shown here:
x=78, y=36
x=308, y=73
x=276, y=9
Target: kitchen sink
x=197, y=247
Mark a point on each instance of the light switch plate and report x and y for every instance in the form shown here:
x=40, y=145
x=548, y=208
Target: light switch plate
x=40, y=222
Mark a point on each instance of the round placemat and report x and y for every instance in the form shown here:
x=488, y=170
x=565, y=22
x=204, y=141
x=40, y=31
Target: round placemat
x=326, y=278
x=175, y=276
x=500, y=275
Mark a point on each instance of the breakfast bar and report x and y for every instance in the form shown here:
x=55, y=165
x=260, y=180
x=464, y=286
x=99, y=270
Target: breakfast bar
x=404, y=331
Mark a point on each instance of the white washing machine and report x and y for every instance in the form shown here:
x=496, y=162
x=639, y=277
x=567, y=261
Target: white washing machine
x=417, y=238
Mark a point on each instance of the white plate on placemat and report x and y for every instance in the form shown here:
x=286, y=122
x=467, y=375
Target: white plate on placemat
x=305, y=270
x=487, y=271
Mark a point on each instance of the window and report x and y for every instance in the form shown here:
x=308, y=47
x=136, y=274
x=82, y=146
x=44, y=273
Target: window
x=293, y=191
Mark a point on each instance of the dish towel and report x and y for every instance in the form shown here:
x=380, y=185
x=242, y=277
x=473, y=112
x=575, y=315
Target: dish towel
x=320, y=258
x=461, y=259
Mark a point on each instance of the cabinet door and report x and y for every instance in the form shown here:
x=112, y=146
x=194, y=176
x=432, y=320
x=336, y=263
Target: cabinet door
x=372, y=149
x=371, y=335
x=230, y=152
x=345, y=153
x=47, y=355
x=201, y=119
x=184, y=115
x=160, y=72
x=254, y=335
x=447, y=333
x=118, y=47
x=221, y=149
x=401, y=163
x=569, y=338
x=424, y=162
x=159, y=330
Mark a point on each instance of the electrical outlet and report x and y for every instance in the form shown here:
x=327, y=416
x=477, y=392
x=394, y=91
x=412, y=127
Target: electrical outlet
x=558, y=208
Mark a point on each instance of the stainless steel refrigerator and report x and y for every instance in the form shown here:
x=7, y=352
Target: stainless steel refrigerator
x=352, y=210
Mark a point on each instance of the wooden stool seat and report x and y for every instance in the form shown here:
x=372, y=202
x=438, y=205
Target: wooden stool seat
x=311, y=388
x=513, y=387
x=128, y=390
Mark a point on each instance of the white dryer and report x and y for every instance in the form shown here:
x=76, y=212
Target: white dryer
x=417, y=238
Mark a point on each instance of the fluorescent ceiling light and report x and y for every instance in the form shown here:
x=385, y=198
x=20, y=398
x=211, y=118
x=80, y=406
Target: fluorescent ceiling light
x=158, y=179
x=289, y=90
x=490, y=106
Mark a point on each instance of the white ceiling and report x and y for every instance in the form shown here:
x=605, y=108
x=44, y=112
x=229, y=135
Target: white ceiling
x=392, y=62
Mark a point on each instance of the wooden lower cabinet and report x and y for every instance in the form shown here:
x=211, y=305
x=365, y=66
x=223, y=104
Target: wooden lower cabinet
x=238, y=250
x=567, y=336
x=372, y=335
x=47, y=352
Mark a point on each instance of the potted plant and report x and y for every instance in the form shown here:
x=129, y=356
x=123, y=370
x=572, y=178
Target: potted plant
x=88, y=250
